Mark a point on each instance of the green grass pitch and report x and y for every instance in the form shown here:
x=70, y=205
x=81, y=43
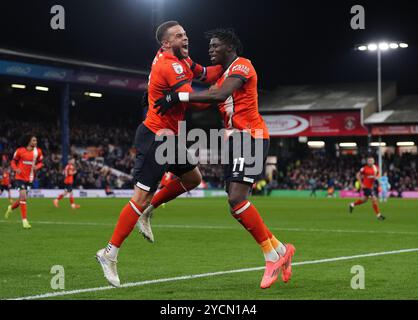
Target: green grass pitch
x=197, y=236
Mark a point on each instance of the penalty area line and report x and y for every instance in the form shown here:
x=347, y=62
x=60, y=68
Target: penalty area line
x=204, y=275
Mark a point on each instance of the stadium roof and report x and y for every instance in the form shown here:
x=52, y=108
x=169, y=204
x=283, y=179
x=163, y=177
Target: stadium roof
x=403, y=110
x=331, y=97
x=35, y=67
x=69, y=62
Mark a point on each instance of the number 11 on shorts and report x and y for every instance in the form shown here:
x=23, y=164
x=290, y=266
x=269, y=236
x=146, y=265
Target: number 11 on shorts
x=241, y=164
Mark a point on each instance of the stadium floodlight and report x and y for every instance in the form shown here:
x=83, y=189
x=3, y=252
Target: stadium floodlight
x=378, y=144
x=316, y=144
x=41, y=88
x=93, y=94
x=405, y=144
x=379, y=48
x=393, y=45
x=348, y=144
x=384, y=46
x=372, y=47
x=18, y=86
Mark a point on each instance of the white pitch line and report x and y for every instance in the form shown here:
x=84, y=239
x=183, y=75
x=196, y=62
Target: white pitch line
x=71, y=223
x=203, y=275
x=179, y=226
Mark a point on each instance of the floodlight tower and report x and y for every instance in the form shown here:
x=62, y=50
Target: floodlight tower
x=379, y=48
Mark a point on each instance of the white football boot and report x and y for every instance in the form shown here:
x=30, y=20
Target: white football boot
x=144, y=224
x=109, y=267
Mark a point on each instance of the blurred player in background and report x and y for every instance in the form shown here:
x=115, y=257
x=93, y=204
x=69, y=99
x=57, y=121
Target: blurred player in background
x=172, y=69
x=69, y=173
x=109, y=192
x=26, y=161
x=5, y=184
x=331, y=188
x=367, y=176
x=384, y=187
x=236, y=96
x=313, y=185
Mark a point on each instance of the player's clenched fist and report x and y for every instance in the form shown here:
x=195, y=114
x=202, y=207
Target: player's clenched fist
x=165, y=103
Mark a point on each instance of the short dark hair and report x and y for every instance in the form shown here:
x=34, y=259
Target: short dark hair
x=227, y=36
x=162, y=29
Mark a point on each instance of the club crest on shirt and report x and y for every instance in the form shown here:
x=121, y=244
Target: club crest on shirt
x=177, y=68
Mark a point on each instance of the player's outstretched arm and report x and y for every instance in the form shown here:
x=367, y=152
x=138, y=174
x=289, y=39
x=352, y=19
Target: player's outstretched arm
x=203, y=106
x=15, y=161
x=13, y=165
x=206, y=74
x=214, y=95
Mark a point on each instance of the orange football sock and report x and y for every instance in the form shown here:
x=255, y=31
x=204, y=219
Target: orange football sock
x=127, y=220
x=171, y=191
x=359, y=201
x=248, y=216
x=15, y=204
x=23, y=209
x=376, y=208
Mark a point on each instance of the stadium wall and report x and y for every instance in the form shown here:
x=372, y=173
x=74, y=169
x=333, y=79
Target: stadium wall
x=299, y=193
x=127, y=193
x=91, y=193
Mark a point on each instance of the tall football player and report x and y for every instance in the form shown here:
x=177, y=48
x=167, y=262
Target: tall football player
x=237, y=98
x=172, y=69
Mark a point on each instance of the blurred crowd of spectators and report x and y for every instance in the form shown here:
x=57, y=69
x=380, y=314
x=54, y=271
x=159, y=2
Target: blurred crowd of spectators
x=101, y=148
x=213, y=175
x=112, y=147
x=322, y=171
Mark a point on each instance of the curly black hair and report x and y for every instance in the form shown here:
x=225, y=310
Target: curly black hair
x=25, y=139
x=227, y=36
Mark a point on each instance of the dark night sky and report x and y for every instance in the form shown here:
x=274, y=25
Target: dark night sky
x=289, y=42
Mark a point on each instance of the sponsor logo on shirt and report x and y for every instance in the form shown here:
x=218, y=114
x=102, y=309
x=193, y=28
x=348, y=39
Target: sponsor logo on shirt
x=241, y=68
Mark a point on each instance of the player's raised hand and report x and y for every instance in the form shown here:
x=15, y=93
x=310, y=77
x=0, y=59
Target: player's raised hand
x=165, y=103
